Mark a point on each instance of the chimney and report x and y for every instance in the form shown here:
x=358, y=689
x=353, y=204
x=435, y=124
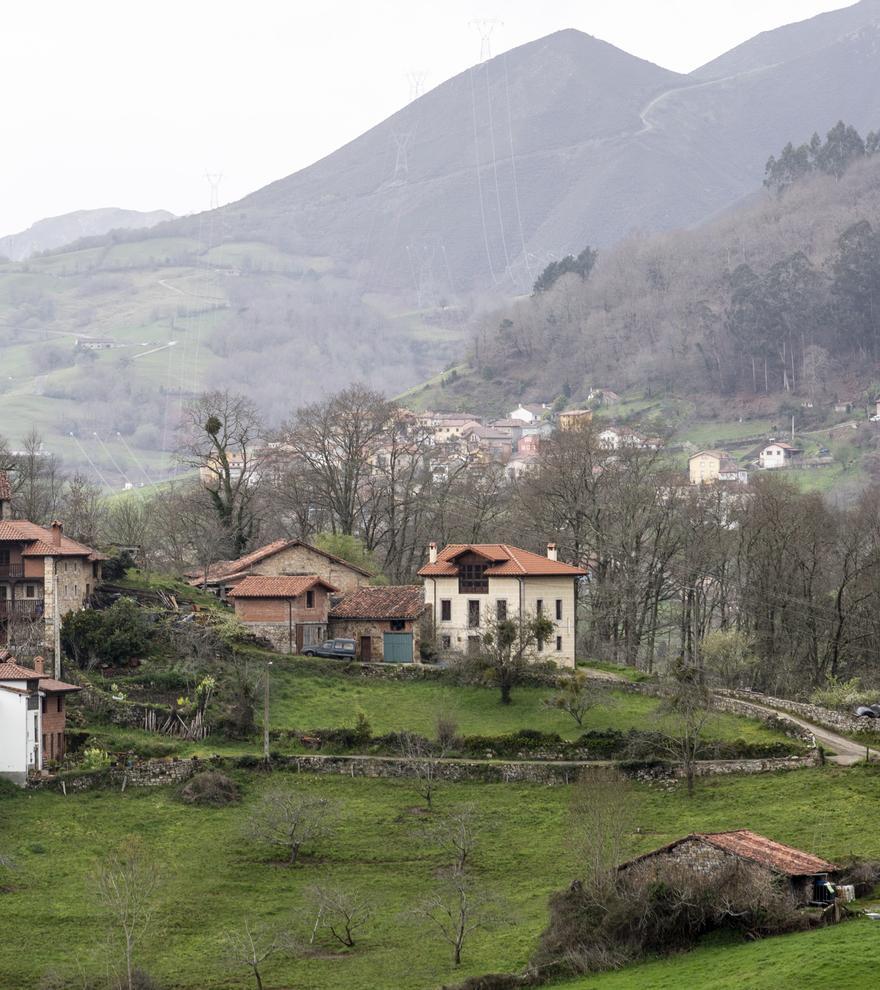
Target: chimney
x=552, y=551
x=56, y=533
x=432, y=553
x=39, y=665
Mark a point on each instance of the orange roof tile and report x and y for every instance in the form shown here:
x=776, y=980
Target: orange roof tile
x=741, y=842
x=260, y=586
x=506, y=561
x=41, y=543
x=391, y=602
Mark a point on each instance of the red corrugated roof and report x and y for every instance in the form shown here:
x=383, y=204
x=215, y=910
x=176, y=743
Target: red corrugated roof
x=392, y=602
x=260, y=586
x=757, y=848
x=506, y=561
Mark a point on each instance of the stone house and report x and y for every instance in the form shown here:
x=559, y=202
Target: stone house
x=468, y=585
x=713, y=852
x=778, y=455
x=32, y=718
x=43, y=574
x=282, y=558
x=574, y=419
x=384, y=622
x=291, y=612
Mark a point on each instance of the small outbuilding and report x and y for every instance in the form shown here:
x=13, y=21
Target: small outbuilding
x=291, y=612
x=808, y=876
x=383, y=622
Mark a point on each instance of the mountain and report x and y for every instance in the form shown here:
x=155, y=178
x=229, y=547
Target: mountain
x=55, y=232
x=371, y=263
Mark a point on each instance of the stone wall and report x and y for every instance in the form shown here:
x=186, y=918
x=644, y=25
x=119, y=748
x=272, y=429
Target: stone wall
x=159, y=772
x=848, y=725
x=737, y=706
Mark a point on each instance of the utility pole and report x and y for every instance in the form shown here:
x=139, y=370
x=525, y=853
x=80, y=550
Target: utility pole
x=290, y=626
x=56, y=623
x=266, y=713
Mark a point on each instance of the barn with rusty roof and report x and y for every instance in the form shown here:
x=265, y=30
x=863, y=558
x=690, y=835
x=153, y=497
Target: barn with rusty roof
x=715, y=852
x=384, y=622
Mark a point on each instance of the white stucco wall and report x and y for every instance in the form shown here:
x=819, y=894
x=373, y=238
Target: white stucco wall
x=15, y=739
x=546, y=589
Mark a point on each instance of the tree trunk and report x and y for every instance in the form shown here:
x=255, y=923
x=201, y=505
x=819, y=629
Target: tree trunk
x=294, y=852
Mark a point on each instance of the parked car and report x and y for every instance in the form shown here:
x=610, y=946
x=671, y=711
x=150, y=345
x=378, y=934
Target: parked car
x=824, y=452
x=340, y=649
x=868, y=711
x=875, y=418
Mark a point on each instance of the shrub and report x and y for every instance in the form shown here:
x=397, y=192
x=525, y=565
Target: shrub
x=210, y=788
x=95, y=758
x=111, y=637
x=841, y=694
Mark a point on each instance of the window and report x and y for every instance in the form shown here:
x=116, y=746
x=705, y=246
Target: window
x=310, y=599
x=4, y=556
x=446, y=642
x=539, y=606
x=473, y=646
x=472, y=578
x=29, y=591
x=43, y=705
x=501, y=609
x=58, y=704
x=473, y=614
x=446, y=610
x=558, y=644
x=398, y=625
x=558, y=609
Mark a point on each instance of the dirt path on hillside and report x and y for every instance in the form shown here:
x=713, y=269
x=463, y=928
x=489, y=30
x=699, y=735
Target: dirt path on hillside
x=844, y=751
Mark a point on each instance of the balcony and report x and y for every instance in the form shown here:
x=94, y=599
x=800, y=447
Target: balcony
x=11, y=571
x=24, y=608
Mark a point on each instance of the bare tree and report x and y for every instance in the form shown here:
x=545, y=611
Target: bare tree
x=221, y=434
x=127, y=887
x=456, y=832
x=290, y=820
x=602, y=816
x=37, y=481
x=343, y=911
x=687, y=714
x=455, y=910
x=576, y=695
x=82, y=506
x=423, y=760
x=251, y=944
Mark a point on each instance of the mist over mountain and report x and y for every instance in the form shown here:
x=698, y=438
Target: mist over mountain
x=372, y=263
x=55, y=232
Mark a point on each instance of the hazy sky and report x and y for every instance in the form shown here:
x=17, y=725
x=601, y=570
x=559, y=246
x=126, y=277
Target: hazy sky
x=128, y=103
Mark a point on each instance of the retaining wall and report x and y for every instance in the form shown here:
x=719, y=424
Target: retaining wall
x=848, y=725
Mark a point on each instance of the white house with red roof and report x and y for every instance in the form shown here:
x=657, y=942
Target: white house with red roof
x=32, y=718
x=469, y=585
x=43, y=573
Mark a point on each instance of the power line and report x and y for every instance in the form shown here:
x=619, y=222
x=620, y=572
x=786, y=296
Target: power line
x=94, y=466
x=112, y=458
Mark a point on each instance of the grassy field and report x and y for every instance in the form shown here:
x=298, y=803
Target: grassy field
x=830, y=957
x=212, y=878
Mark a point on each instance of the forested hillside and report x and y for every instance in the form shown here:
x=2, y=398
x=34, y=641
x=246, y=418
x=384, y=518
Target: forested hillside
x=779, y=297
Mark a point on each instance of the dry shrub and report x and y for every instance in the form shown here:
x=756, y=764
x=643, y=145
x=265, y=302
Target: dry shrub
x=658, y=907
x=210, y=788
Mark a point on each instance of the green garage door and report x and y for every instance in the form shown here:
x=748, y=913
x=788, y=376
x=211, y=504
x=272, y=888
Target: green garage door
x=398, y=647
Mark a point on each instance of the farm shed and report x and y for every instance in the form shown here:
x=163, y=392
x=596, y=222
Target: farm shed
x=383, y=622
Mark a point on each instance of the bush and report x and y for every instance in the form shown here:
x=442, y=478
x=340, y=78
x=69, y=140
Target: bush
x=94, y=758
x=841, y=694
x=210, y=788
x=112, y=637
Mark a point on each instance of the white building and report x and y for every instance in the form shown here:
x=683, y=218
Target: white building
x=778, y=455
x=469, y=585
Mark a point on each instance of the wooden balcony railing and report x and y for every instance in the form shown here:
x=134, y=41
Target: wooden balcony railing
x=25, y=608
x=11, y=571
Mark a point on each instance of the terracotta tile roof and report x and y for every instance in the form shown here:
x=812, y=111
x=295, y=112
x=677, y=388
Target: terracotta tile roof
x=5, y=487
x=259, y=586
x=52, y=686
x=405, y=601
x=741, y=842
x=507, y=561
x=11, y=671
x=40, y=541
x=227, y=569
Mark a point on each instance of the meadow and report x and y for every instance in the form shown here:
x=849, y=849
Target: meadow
x=213, y=877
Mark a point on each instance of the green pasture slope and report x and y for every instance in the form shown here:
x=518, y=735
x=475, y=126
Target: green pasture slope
x=213, y=877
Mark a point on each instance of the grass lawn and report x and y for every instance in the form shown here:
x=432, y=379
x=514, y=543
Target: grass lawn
x=829, y=957
x=306, y=696
x=212, y=878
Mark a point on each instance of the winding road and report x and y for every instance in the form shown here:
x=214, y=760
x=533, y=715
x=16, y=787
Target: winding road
x=842, y=751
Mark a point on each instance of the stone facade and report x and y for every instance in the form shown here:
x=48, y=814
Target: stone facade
x=302, y=559
x=357, y=629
